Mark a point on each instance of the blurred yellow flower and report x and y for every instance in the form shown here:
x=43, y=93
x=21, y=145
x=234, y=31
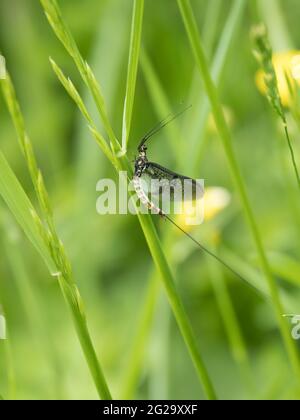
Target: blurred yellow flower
x=189, y=212
x=215, y=200
x=229, y=117
x=286, y=62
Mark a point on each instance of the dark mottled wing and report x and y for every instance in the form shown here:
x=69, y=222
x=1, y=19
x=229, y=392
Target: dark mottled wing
x=179, y=187
x=157, y=171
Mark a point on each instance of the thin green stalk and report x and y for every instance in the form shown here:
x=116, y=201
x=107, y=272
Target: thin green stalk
x=272, y=13
x=264, y=54
x=145, y=324
x=63, y=33
x=74, y=300
x=213, y=12
x=56, y=21
x=281, y=40
x=176, y=303
x=293, y=158
x=133, y=61
x=289, y=300
x=31, y=302
x=217, y=70
x=225, y=135
x=47, y=231
x=285, y=267
x=235, y=337
x=290, y=186
x=163, y=107
x=89, y=163
x=159, y=98
x=22, y=209
x=140, y=340
x=277, y=33
x=163, y=268
x=158, y=369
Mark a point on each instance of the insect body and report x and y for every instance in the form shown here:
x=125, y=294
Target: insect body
x=144, y=198
x=167, y=180
x=141, y=165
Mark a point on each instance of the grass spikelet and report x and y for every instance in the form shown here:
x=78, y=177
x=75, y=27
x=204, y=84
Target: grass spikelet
x=47, y=237
x=263, y=53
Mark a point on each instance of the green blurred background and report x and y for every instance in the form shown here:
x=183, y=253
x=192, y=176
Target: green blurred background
x=113, y=268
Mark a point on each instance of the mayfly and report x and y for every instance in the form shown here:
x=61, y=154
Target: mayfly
x=168, y=179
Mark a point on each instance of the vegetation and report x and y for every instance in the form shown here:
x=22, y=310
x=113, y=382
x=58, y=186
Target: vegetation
x=152, y=316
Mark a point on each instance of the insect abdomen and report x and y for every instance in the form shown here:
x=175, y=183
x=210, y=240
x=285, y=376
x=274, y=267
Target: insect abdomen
x=143, y=197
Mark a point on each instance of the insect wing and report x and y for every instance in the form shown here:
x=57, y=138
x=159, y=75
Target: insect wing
x=166, y=183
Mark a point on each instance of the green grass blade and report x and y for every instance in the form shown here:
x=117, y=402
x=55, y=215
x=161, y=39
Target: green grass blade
x=49, y=246
x=255, y=280
x=175, y=303
x=174, y=300
x=285, y=267
x=63, y=33
x=217, y=69
x=213, y=12
x=264, y=54
x=225, y=135
x=21, y=207
x=75, y=303
x=89, y=164
x=162, y=107
x=133, y=61
x=160, y=100
x=31, y=303
x=72, y=91
x=271, y=10
x=233, y=330
x=140, y=340
x=147, y=227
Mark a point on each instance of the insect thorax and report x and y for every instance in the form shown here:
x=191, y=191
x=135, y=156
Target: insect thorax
x=141, y=163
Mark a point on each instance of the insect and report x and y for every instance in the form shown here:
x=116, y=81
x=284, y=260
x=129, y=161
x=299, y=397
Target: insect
x=177, y=187
x=168, y=181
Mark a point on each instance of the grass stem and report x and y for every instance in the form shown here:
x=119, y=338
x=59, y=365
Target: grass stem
x=121, y=162
x=47, y=237
x=133, y=61
x=225, y=135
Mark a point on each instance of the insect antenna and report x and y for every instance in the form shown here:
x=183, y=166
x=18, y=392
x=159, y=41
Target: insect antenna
x=160, y=125
x=203, y=248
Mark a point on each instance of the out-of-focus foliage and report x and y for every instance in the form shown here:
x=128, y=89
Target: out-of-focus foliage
x=111, y=261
